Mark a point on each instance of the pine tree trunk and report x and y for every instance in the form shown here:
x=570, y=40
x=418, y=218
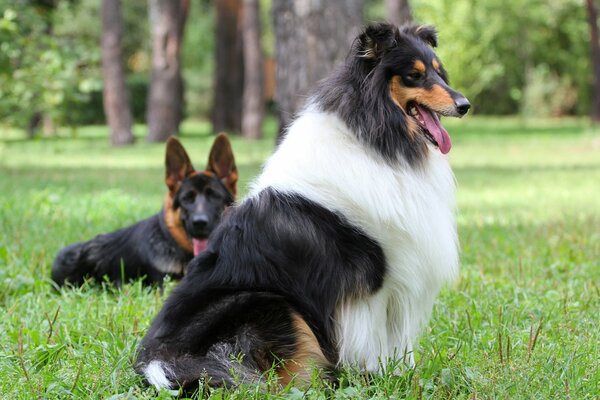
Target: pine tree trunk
x=398, y=12
x=165, y=99
x=595, y=45
x=229, y=71
x=253, y=99
x=116, y=97
x=311, y=37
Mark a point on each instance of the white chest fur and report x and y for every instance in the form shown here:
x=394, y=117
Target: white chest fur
x=410, y=212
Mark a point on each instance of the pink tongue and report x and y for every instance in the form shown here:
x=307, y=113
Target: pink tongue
x=199, y=245
x=433, y=125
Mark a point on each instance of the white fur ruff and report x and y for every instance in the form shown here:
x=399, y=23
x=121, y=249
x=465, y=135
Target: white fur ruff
x=156, y=374
x=408, y=211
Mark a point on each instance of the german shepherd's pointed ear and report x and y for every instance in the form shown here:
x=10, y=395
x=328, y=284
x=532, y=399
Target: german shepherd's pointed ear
x=177, y=164
x=222, y=163
x=375, y=40
x=426, y=33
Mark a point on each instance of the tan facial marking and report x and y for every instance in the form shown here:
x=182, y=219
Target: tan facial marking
x=436, y=98
x=419, y=66
x=173, y=222
x=401, y=96
x=436, y=65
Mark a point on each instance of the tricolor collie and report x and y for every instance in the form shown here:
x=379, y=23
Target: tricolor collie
x=164, y=243
x=337, y=254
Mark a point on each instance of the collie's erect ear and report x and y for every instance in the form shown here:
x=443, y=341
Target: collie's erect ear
x=426, y=33
x=177, y=164
x=375, y=40
x=222, y=163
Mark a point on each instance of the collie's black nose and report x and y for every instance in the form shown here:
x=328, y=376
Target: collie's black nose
x=462, y=105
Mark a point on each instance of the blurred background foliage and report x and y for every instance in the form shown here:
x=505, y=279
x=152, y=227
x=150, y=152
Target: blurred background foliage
x=528, y=57
x=513, y=56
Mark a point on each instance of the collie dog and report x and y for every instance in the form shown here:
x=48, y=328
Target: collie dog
x=337, y=254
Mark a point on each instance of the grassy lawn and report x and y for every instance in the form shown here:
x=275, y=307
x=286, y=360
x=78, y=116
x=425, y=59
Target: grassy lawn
x=523, y=321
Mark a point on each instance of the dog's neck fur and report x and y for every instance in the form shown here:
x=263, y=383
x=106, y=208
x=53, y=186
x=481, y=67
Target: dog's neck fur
x=174, y=226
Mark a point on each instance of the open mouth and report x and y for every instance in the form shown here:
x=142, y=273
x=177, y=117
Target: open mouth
x=199, y=245
x=431, y=125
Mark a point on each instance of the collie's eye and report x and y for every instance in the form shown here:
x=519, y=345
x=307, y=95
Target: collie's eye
x=415, y=75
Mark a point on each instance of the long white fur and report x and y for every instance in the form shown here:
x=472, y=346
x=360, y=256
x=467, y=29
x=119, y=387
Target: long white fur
x=156, y=374
x=409, y=211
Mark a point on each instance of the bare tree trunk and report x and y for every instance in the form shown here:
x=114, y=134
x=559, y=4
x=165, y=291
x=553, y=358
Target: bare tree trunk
x=253, y=100
x=595, y=44
x=165, y=100
x=116, y=97
x=38, y=118
x=398, y=12
x=311, y=37
x=229, y=71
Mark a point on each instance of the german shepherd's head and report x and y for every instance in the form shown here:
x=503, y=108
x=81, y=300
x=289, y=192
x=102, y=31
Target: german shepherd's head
x=196, y=199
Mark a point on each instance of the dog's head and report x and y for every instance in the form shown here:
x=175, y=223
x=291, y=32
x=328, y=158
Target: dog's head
x=196, y=199
x=402, y=62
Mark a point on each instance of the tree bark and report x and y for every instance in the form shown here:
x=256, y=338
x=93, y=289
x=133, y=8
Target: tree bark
x=229, y=71
x=595, y=47
x=116, y=97
x=398, y=12
x=310, y=38
x=253, y=100
x=165, y=99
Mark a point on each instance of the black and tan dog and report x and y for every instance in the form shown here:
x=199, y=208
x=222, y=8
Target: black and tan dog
x=164, y=243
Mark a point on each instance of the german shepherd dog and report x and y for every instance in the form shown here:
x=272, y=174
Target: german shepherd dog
x=340, y=249
x=164, y=243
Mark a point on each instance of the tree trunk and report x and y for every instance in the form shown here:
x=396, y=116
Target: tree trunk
x=595, y=44
x=253, y=100
x=165, y=99
x=116, y=97
x=229, y=71
x=398, y=12
x=45, y=9
x=310, y=38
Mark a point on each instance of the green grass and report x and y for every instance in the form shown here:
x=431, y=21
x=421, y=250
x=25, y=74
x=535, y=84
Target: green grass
x=521, y=322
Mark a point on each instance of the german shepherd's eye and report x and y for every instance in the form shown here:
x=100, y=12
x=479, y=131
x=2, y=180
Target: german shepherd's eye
x=210, y=192
x=188, y=197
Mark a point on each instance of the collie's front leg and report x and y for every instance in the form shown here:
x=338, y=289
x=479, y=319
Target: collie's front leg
x=362, y=335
